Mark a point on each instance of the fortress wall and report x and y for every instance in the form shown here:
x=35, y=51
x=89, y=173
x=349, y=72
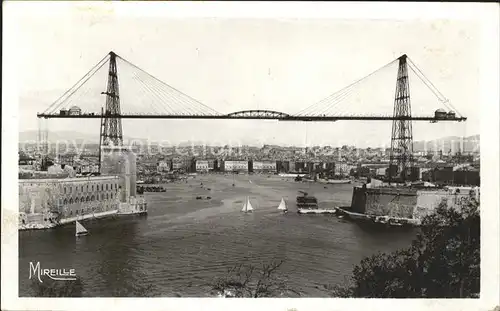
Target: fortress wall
x=358, y=204
x=409, y=203
x=429, y=200
x=391, y=202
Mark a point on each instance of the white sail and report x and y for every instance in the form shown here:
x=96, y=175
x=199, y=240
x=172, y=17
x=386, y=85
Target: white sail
x=282, y=206
x=80, y=230
x=247, y=206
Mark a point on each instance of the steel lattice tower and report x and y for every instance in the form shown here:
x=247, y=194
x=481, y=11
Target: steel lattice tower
x=111, y=127
x=402, y=136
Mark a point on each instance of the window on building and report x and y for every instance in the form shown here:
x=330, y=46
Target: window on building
x=92, y=187
x=64, y=190
x=82, y=188
x=87, y=188
x=107, y=196
x=106, y=186
x=77, y=200
x=92, y=198
x=71, y=201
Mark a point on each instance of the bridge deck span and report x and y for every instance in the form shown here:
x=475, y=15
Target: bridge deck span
x=249, y=117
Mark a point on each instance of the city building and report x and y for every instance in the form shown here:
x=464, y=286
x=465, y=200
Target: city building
x=203, y=166
x=48, y=199
x=283, y=166
x=212, y=164
x=27, y=163
x=235, y=165
x=178, y=164
x=300, y=167
x=343, y=168
x=264, y=166
x=163, y=166
x=44, y=203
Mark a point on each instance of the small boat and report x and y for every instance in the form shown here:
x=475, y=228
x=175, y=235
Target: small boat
x=283, y=207
x=315, y=211
x=306, y=201
x=80, y=230
x=338, y=181
x=247, y=206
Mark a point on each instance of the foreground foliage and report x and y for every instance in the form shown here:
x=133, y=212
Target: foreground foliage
x=442, y=262
x=247, y=281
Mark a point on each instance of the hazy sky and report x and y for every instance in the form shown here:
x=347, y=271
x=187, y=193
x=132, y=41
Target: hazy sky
x=238, y=64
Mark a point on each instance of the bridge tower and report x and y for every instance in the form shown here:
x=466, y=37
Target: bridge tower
x=401, y=158
x=111, y=125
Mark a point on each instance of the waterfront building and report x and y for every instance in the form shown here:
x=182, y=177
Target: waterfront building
x=202, y=165
x=47, y=202
x=264, y=166
x=342, y=168
x=57, y=197
x=235, y=165
x=300, y=167
x=212, y=164
x=283, y=166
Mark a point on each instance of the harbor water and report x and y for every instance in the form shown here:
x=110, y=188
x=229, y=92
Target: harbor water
x=185, y=243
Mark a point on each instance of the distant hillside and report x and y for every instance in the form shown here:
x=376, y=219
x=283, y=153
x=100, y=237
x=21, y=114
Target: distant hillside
x=58, y=136
x=453, y=143
x=69, y=136
x=470, y=143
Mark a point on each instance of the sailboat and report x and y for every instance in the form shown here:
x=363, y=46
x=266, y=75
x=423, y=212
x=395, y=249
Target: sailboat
x=282, y=206
x=247, y=206
x=80, y=230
